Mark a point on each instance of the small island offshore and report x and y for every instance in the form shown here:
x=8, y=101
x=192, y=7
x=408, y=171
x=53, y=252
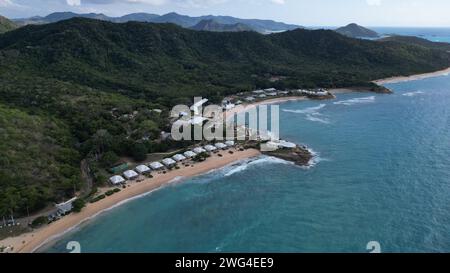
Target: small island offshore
x=85, y=107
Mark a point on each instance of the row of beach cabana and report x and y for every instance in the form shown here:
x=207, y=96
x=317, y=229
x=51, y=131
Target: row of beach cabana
x=168, y=162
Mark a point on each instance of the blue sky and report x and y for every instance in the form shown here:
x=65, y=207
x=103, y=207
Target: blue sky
x=302, y=12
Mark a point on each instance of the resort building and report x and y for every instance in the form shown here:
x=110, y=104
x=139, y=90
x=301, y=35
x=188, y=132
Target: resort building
x=210, y=148
x=281, y=144
x=116, y=180
x=179, y=157
x=169, y=162
x=199, y=150
x=272, y=94
x=142, y=169
x=270, y=90
x=156, y=166
x=189, y=154
x=257, y=92
x=130, y=175
x=229, y=143
x=229, y=106
x=65, y=207
x=262, y=96
x=221, y=146
x=249, y=99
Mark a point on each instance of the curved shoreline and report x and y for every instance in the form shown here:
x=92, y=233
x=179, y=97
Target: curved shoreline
x=398, y=79
x=32, y=241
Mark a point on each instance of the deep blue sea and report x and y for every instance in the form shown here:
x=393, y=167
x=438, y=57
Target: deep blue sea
x=432, y=34
x=382, y=174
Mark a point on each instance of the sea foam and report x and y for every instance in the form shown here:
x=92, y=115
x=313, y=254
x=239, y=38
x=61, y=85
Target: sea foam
x=412, y=94
x=356, y=101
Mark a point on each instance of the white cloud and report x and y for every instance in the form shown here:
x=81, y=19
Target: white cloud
x=279, y=2
x=73, y=2
x=6, y=3
x=374, y=2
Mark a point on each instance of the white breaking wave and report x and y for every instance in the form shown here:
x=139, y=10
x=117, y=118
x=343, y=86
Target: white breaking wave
x=311, y=113
x=412, y=94
x=308, y=110
x=242, y=166
x=316, y=159
x=356, y=101
x=317, y=118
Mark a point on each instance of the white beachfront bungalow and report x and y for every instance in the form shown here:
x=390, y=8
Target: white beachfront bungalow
x=262, y=96
x=221, y=146
x=229, y=143
x=210, y=148
x=258, y=92
x=142, y=169
x=179, y=157
x=249, y=99
x=156, y=166
x=169, y=162
x=130, y=175
x=229, y=106
x=199, y=150
x=116, y=180
x=272, y=94
x=189, y=154
x=65, y=207
x=270, y=90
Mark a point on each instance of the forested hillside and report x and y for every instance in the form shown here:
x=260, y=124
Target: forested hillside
x=84, y=88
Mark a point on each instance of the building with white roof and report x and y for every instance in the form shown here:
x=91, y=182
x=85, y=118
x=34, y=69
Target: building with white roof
x=249, y=98
x=199, y=150
x=65, y=207
x=229, y=143
x=210, y=148
x=221, y=146
x=262, y=96
x=258, y=92
x=229, y=106
x=272, y=94
x=142, y=169
x=116, y=180
x=178, y=157
x=189, y=154
x=169, y=162
x=270, y=90
x=282, y=144
x=130, y=175
x=156, y=166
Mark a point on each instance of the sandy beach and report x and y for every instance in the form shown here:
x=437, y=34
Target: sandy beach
x=30, y=242
x=439, y=73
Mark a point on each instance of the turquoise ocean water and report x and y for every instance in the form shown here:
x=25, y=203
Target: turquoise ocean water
x=382, y=174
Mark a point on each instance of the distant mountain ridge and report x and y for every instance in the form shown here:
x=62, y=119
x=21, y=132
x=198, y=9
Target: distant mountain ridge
x=356, y=31
x=6, y=24
x=263, y=26
x=212, y=25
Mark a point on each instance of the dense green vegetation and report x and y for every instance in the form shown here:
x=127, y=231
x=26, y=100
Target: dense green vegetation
x=38, y=163
x=86, y=89
x=356, y=31
x=6, y=25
